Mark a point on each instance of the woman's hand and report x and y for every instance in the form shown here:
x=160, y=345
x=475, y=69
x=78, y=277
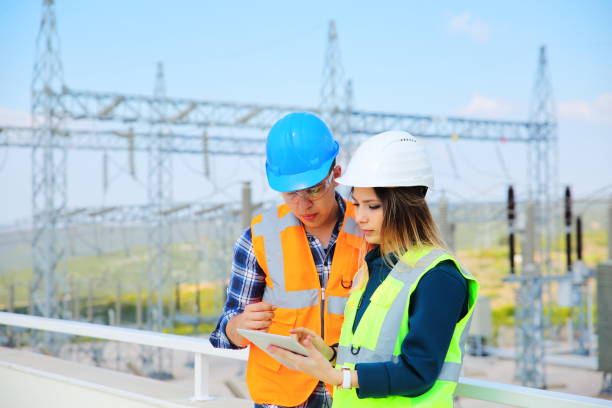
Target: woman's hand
x=301, y=333
x=315, y=364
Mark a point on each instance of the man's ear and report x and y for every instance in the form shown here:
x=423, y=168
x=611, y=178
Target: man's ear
x=337, y=171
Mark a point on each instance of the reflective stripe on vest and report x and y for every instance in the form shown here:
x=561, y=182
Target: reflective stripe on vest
x=385, y=344
x=270, y=228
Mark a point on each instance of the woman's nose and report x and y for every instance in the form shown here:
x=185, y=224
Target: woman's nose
x=361, y=217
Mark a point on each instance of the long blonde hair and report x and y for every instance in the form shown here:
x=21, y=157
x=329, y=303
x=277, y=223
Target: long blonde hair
x=407, y=223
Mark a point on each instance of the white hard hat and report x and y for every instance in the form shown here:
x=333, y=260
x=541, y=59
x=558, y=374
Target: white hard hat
x=389, y=159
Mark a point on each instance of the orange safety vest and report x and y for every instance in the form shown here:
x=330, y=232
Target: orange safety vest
x=292, y=285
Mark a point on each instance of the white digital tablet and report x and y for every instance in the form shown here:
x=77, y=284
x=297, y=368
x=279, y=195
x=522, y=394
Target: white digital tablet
x=263, y=340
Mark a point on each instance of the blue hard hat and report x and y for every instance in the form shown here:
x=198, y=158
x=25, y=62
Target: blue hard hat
x=300, y=150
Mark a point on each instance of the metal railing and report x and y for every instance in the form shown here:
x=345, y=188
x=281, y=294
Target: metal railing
x=203, y=351
x=201, y=348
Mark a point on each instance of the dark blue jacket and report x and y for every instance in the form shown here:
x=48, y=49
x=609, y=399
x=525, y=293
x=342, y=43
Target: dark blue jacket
x=437, y=304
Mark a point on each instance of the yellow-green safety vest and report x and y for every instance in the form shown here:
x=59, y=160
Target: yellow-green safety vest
x=384, y=326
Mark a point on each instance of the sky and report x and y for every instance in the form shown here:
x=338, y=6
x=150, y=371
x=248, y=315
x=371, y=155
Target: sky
x=474, y=59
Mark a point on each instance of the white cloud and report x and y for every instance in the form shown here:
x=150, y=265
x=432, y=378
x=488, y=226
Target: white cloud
x=482, y=106
x=598, y=110
x=471, y=26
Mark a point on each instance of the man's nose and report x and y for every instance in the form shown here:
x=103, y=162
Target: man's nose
x=303, y=203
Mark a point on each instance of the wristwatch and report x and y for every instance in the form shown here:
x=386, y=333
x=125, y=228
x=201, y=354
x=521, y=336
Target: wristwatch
x=346, y=379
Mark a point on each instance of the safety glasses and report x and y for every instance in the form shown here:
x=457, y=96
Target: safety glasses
x=311, y=193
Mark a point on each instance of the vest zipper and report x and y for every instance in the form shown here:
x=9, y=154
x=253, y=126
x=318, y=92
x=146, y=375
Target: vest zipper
x=323, y=313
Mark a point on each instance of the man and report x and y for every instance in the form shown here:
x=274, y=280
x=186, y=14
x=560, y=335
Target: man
x=295, y=265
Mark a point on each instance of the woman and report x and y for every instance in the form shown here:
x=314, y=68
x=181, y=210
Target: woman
x=406, y=321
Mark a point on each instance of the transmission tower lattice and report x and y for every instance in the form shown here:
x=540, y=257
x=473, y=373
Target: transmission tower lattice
x=349, y=144
x=48, y=172
x=542, y=179
x=331, y=97
x=159, y=189
x=543, y=157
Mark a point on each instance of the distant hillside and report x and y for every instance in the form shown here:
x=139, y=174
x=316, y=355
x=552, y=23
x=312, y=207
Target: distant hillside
x=478, y=225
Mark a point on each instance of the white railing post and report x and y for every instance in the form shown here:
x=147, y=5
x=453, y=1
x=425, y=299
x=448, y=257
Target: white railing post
x=201, y=373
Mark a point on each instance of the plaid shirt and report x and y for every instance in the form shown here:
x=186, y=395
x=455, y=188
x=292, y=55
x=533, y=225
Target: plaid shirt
x=247, y=283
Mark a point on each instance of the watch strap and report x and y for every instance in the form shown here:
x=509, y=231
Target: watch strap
x=346, y=378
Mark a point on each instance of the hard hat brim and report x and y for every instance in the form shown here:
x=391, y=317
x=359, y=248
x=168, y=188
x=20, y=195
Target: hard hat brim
x=417, y=181
x=300, y=181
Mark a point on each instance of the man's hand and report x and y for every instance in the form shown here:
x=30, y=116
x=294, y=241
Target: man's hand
x=256, y=316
